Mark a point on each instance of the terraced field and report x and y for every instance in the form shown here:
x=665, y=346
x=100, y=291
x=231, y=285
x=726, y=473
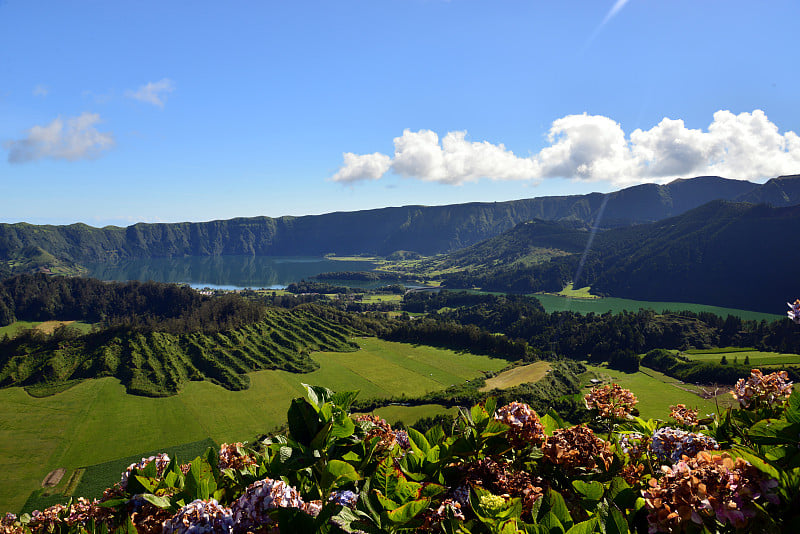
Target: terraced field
x=72, y=429
x=757, y=358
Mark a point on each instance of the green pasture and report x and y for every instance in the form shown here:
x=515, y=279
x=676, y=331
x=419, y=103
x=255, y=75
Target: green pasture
x=95, y=421
x=757, y=358
x=580, y=293
x=553, y=303
x=46, y=326
x=409, y=414
x=656, y=392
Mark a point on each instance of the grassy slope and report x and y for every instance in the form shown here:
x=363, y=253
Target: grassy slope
x=95, y=421
x=553, y=303
x=757, y=358
x=656, y=392
x=518, y=375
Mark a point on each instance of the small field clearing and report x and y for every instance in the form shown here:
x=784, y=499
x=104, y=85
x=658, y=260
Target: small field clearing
x=518, y=375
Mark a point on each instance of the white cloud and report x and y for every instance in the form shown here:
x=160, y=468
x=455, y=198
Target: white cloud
x=153, y=92
x=40, y=90
x=73, y=139
x=454, y=161
x=365, y=167
x=596, y=148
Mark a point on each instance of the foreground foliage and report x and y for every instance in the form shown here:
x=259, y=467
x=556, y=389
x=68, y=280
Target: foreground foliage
x=497, y=470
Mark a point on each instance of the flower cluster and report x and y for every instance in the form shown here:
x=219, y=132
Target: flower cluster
x=8, y=524
x=49, y=519
x=375, y=426
x=500, y=478
x=671, y=444
x=794, y=311
x=161, y=460
x=344, y=498
x=232, y=456
x=633, y=444
x=524, y=424
x=448, y=509
x=251, y=510
x=703, y=487
x=577, y=448
x=761, y=389
x=611, y=402
x=683, y=415
x=200, y=516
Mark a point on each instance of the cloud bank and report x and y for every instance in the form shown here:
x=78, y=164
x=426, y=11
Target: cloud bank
x=153, y=92
x=71, y=139
x=593, y=148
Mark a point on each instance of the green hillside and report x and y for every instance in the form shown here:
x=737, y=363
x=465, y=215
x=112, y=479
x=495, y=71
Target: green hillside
x=160, y=364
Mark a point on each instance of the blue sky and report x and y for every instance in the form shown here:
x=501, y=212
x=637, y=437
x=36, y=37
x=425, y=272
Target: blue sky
x=118, y=112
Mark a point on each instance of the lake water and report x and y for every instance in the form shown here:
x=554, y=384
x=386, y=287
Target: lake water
x=227, y=272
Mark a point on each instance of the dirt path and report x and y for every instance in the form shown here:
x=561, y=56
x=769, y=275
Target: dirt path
x=53, y=478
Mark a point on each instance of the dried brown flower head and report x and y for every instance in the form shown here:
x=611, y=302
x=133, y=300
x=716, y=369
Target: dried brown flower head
x=233, y=456
x=611, y=402
x=577, y=448
x=704, y=487
x=683, y=415
x=375, y=426
x=760, y=389
x=524, y=424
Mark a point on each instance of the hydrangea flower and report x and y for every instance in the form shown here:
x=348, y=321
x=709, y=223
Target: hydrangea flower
x=448, y=509
x=633, y=443
x=232, y=456
x=200, y=516
x=401, y=436
x=524, y=424
x=761, y=389
x=794, y=311
x=683, y=415
x=161, y=460
x=706, y=486
x=576, y=448
x=375, y=426
x=671, y=444
x=611, y=402
x=252, y=508
x=344, y=498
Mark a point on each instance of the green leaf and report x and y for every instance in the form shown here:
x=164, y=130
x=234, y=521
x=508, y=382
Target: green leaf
x=774, y=432
x=793, y=406
x=615, y=523
x=408, y=511
x=338, y=473
x=435, y=435
x=318, y=395
x=584, y=527
x=161, y=502
x=756, y=461
x=386, y=502
x=343, y=426
x=344, y=399
x=554, y=502
x=551, y=524
x=591, y=490
x=549, y=424
x=489, y=405
x=418, y=439
x=303, y=421
x=387, y=477
x=478, y=414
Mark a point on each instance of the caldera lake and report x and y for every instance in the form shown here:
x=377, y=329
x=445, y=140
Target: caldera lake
x=230, y=272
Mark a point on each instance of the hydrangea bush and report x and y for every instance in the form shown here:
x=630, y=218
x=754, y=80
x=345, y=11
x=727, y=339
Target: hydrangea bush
x=500, y=469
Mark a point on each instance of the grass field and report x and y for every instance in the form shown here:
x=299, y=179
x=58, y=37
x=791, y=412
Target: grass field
x=518, y=375
x=656, y=392
x=580, y=293
x=410, y=414
x=369, y=299
x=47, y=327
x=96, y=421
x=757, y=358
x=553, y=303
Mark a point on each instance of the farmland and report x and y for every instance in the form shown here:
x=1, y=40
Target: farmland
x=73, y=428
x=518, y=375
x=656, y=392
x=738, y=355
x=554, y=303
